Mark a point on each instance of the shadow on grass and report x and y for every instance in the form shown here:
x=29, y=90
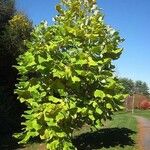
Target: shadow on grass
x=104, y=138
x=108, y=137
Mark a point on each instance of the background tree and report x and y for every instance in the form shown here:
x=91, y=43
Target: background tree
x=128, y=85
x=66, y=76
x=142, y=87
x=14, y=29
x=7, y=10
x=138, y=87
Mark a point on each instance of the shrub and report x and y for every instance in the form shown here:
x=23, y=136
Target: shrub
x=145, y=104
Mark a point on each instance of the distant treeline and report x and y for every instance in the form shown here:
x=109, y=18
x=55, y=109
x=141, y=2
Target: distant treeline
x=136, y=87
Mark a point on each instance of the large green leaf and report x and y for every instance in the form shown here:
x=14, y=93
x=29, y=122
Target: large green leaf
x=53, y=145
x=99, y=111
x=75, y=79
x=99, y=93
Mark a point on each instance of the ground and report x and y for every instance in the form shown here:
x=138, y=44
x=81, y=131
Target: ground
x=144, y=133
x=126, y=131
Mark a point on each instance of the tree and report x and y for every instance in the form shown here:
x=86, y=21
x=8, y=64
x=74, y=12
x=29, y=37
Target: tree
x=66, y=76
x=17, y=30
x=142, y=88
x=128, y=85
x=7, y=10
x=138, y=87
x=14, y=29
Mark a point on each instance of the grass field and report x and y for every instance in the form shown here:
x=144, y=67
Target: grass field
x=118, y=134
x=126, y=131
x=143, y=113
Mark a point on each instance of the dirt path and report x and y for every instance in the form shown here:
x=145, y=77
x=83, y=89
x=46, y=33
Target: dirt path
x=144, y=133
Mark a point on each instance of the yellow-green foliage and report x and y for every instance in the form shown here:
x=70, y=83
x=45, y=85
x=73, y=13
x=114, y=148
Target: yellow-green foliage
x=67, y=75
x=20, y=23
x=17, y=30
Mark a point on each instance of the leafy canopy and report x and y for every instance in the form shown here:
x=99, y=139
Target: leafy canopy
x=67, y=75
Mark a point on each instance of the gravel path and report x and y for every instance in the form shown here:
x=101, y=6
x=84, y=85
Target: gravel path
x=144, y=133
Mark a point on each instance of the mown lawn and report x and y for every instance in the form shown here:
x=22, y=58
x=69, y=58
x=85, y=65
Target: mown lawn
x=143, y=113
x=127, y=137
x=118, y=134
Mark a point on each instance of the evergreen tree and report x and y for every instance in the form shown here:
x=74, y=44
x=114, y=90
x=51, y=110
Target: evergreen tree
x=138, y=87
x=142, y=88
x=128, y=85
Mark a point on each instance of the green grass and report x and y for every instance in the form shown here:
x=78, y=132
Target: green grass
x=118, y=134
x=143, y=113
x=124, y=120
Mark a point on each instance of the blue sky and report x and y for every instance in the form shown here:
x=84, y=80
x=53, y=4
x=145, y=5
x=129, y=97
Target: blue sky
x=130, y=17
